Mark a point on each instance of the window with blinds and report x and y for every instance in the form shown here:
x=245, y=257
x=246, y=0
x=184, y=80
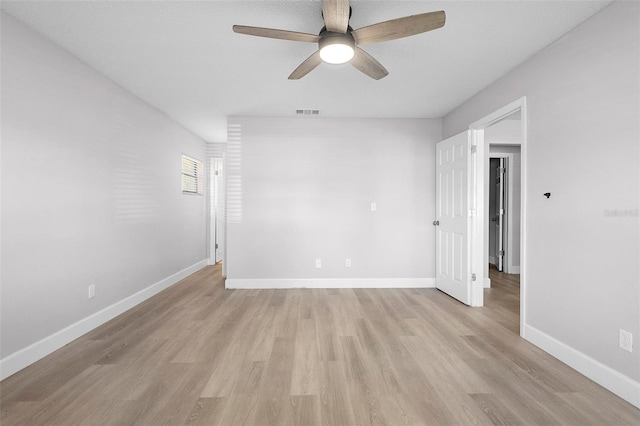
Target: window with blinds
x=192, y=176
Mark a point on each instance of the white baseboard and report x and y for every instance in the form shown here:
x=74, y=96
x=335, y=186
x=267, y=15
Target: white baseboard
x=240, y=283
x=513, y=269
x=487, y=283
x=38, y=350
x=626, y=388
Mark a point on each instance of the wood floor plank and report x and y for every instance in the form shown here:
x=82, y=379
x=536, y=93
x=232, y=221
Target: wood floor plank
x=305, y=374
x=13, y=410
x=498, y=412
x=241, y=411
x=581, y=406
x=510, y=391
x=156, y=396
x=327, y=331
x=517, y=363
x=335, y=408
x=44, y=378
x=102, y=395
x=183, y=392
x=303, y=410
x=287, y=319
x=206, y=412
x=70, y=393
x=363, y=397
x=275, y=387
x=452, y=393
x=440, y=358
x=197, y=353
x=241, y=405
x=222, y=380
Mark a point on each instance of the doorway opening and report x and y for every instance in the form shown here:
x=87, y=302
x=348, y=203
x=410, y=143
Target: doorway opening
x=216, y=211
x=502, y=135
x=502, y=288
x=504, y=207
x=498, y=214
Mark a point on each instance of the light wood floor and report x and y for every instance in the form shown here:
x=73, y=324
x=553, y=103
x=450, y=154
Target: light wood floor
x=200, y=354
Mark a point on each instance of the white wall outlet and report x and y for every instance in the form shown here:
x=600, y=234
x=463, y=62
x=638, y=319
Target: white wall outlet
x=347, y=263
x=374, y=207
x=92, y=291
x=318, y=263
x=626, y=340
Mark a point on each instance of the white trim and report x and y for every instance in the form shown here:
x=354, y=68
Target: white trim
x=285, y=283
x=476, y=169
x=487, y=283
x=524, y=146
x=38, y=350
x=513, y=270
x=623, y=386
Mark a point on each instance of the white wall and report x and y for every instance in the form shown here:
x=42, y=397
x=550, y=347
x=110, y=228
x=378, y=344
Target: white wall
x=505, y=132
x=90, y=195
x=582, y=274
x=307, y=188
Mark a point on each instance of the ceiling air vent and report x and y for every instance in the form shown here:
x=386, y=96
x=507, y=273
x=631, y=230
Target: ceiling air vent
x=307, y=112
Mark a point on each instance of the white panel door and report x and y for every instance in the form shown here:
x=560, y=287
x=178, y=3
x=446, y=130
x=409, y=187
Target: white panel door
x=452, y=217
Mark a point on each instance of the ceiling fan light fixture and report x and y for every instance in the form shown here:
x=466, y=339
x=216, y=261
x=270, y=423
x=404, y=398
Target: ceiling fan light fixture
x=337, y=40
x=336, y=48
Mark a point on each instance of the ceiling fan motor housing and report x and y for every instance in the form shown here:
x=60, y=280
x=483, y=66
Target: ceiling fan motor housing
x=341, y=44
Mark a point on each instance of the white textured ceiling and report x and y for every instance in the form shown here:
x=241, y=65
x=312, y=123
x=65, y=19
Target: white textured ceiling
x=183, y=58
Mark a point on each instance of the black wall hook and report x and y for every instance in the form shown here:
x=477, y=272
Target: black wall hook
x=547, y=194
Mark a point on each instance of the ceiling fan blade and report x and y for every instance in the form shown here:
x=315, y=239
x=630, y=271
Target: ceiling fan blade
x=368, y=65
x=306, y=67
x=336, y=15
x=273, y=33
x=399, y=28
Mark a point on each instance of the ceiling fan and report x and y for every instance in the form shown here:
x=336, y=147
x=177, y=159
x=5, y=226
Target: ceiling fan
x=338, y=43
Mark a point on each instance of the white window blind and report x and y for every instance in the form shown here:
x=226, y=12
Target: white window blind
x=192, y=175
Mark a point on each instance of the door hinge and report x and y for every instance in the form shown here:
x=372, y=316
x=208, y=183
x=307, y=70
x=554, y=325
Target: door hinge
x=501, y=170
x=473, y=276
x=216, y=246
x=501, y=253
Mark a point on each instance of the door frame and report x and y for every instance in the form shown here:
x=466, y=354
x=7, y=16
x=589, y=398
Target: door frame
x=212, y=215
x=479, y=247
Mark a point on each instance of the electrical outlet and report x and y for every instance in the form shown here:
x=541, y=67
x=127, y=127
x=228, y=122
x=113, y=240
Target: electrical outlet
x=374, y=207
x=347, y=263
x=92, y=291
x=626, y=340
x=318, y=263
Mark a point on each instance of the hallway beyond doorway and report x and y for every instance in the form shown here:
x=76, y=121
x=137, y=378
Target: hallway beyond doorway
x=502, y=300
